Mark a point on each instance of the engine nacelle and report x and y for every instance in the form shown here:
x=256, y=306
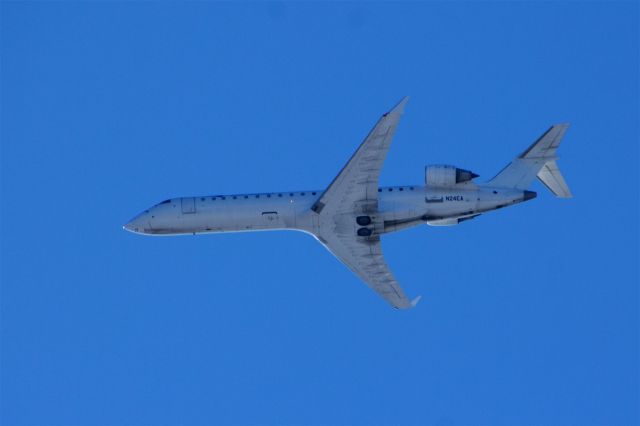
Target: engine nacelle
x=443, y=175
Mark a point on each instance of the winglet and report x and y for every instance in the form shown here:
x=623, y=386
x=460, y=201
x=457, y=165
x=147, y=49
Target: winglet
x=415, y=301
x=399, y=108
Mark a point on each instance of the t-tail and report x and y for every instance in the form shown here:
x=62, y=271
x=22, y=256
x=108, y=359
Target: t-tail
x=538, y=160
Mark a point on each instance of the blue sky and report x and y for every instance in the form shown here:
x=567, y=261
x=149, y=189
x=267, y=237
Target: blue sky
x=529, y=314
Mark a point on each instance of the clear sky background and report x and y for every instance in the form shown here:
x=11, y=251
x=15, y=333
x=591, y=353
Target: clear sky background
x=529, y=314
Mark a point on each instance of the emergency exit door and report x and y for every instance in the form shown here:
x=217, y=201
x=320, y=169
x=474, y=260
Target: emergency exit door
x=188, y=205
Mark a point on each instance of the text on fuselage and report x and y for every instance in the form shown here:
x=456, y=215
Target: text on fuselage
x=454, y=198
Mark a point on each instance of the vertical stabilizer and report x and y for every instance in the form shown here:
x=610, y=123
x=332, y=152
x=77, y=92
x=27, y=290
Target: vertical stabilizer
x=538, y=160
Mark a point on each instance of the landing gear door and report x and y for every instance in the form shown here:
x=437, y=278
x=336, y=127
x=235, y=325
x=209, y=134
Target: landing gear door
x=188, y=205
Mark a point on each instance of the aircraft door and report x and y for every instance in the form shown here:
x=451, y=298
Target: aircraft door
x=188, y=205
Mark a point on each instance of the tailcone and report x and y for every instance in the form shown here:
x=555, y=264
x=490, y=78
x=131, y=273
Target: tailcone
x=528, y=195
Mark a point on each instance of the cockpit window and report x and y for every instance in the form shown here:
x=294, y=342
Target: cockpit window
x=165, y=202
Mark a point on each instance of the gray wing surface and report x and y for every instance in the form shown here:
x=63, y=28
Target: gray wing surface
x=364, y=258
x=357, y=183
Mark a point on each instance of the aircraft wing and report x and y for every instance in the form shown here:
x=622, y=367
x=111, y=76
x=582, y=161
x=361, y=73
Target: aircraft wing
x=353, y=191
x=364, y=257
x=356, y=186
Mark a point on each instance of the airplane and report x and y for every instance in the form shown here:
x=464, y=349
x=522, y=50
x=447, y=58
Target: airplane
x=353, y=212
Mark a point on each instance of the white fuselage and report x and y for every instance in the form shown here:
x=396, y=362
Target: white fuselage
x=399, y=207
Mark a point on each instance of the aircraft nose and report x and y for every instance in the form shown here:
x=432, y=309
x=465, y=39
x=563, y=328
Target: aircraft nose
x=135, y=225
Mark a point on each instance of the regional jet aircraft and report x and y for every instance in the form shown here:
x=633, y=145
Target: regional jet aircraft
x=353, y=212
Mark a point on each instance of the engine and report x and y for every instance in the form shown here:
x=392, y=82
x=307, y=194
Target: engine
x=443, y=175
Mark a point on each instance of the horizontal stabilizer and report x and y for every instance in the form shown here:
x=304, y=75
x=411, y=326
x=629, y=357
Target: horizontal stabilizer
x=551, y=177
